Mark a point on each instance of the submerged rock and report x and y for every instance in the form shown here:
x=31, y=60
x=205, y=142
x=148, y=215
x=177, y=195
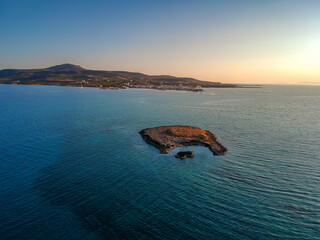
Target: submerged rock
x=184, y=155
x=166, y=138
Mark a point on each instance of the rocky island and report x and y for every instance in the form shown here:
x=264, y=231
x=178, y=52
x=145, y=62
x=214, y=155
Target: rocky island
x=166, y=138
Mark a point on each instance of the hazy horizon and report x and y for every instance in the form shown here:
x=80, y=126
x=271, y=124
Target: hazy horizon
x=254, y=42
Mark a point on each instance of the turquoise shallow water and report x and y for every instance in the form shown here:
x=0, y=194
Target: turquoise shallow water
x=73, y=166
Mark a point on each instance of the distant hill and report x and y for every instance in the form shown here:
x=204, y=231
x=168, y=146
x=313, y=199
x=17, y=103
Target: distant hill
x=66, y=67
x=74, y=75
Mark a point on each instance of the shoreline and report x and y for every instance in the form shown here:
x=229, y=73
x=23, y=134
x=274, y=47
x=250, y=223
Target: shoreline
x=200, y=90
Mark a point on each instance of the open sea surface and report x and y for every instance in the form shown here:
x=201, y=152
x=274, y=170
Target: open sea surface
x=73, y=166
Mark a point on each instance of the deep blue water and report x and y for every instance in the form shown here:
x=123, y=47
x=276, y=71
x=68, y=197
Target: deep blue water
x=73, y=166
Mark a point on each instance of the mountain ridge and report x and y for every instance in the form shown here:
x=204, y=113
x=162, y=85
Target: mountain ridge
x=74, y=75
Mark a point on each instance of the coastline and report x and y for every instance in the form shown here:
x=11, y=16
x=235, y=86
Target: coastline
x=186, y=89
x=75, y=76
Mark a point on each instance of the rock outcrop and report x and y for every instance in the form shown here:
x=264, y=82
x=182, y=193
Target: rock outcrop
x=184, y=155
x=166, y=138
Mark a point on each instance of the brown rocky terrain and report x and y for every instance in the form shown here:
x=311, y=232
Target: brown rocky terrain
x=166, y=138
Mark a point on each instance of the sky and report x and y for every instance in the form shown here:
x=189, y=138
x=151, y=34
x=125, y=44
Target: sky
x=240, y=41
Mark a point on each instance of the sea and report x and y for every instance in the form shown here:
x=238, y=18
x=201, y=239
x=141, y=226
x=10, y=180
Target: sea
x=73, y=165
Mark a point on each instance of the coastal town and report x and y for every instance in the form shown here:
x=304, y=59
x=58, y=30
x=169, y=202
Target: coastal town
x=159, y=87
